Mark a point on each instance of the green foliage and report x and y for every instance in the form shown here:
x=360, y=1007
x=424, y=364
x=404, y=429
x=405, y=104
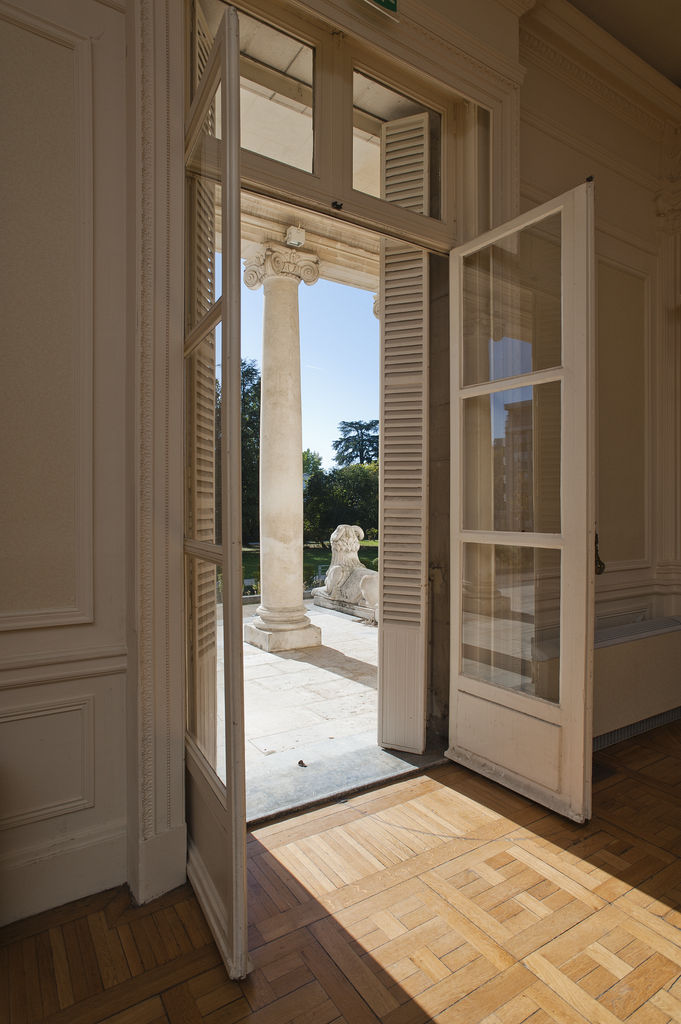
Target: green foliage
x=316, y=561
x=345, y=495
x=358, y=442
x=250, y=451
x=312, y=461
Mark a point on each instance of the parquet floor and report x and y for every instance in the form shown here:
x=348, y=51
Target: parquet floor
x=440, y=898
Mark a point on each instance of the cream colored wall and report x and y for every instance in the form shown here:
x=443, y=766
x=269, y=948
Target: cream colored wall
x=635, y=681
x=623, y=492
x=62, y=535
x=577, y=121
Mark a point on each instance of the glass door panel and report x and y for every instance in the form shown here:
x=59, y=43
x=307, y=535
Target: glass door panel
x=522, y=508
x=512, y=304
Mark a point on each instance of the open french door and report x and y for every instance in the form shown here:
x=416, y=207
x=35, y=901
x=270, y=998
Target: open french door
x=522, y=516
x=215, y=783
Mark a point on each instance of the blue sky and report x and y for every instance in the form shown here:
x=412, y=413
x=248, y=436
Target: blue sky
x=339, y=357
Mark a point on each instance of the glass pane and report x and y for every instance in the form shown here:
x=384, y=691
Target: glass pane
x=511, y=460
x=205, y=661
x=406, y=170
x=204, y=246
x=203, y=434
x=277, y=94
x=512, y=305
x=511, y=618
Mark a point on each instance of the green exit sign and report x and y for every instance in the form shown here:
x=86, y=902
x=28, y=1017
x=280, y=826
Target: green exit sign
x=386, y=5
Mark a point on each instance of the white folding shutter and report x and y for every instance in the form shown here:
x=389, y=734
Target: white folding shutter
x=201, y=476
x=402, y=686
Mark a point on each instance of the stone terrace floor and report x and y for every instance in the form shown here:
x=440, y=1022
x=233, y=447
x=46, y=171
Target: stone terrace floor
x=317, y=706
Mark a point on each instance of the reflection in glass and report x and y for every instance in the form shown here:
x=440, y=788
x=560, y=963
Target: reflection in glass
x=511, y=618
x=205, y=661
x=512, y=305
x=276, y=94
x=396, y=154
x=511, y=460
x=204, y=244
x=203, y=492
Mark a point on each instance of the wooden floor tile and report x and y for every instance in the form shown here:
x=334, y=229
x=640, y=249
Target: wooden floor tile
x=439, y=898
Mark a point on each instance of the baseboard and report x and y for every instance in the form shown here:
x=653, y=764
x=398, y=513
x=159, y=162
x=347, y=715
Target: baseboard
x=45, y=875
x=161, y=864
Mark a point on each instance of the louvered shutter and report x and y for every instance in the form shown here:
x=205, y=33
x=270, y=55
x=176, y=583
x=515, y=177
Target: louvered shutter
x=403, y=612
x=201, y=472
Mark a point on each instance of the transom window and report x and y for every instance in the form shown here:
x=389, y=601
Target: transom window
x=318, y=112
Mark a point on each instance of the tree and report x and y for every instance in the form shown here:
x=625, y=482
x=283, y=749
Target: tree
x=312, y=461
x=345, y=495
x=250, y=451
x=358, y=442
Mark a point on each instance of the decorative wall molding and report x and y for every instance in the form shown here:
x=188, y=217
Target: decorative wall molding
x=82, y=609
x=668, y=199
x=538, y=50
x=425, y=39
x=72, y=656
x=115, y=5
x=72, y=842
x=575, y=141
x=668, y=359
x=84, y=708
x=69, y=671
x=518, y=7
x=156, y=747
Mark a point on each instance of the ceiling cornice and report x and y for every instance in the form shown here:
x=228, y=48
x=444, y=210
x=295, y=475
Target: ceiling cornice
x=560, y=38
x=518, y=7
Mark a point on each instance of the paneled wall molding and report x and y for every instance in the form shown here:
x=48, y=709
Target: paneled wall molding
x=625, y=582
x=668, y=199
x=558, y=37
x=81, y=608
x=115, y=5
x=65, y=673
x=668, y=367
x=72, y=656
x=71, y=842
x=156, y=723
x=83, y=707
x=61, y=869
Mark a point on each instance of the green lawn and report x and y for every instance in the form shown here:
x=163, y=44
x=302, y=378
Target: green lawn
x=316, y=561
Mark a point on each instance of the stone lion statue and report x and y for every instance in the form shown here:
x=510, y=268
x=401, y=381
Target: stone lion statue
x=349, y=584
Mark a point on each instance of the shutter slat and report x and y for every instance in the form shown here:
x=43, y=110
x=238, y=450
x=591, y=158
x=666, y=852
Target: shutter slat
x=404, y=455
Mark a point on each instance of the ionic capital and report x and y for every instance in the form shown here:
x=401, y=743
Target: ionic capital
x=270, y=261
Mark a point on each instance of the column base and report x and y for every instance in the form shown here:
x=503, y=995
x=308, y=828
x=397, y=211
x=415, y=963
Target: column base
x=272, y=640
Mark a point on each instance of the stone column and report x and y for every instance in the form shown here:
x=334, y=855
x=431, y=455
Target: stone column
x=281, y=623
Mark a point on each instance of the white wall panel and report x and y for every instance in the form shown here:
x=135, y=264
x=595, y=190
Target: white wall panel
x=58, y=775
x=63, y=375
x=46, y=281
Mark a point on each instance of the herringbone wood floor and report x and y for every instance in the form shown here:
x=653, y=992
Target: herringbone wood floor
x=440, y=898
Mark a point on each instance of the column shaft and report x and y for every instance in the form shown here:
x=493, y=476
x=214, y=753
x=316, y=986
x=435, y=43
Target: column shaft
x=281, y=622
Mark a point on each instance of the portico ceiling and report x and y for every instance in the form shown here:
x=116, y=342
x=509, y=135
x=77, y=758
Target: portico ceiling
x=347, y=254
